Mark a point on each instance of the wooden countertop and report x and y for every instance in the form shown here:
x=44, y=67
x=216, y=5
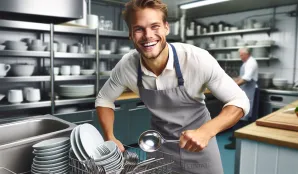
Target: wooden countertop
x=132, y=95
x=274, y=136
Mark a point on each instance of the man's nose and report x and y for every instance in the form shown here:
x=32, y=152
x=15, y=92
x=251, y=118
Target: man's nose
x=149, y=33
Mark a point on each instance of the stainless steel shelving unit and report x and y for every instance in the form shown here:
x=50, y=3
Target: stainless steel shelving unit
x=223, y=33
x=51, y=29
x=111, y=56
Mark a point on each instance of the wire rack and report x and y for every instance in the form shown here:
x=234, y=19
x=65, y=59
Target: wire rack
x=146, y=163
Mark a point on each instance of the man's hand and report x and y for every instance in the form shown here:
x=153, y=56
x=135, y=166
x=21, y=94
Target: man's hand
x=119, y=144
x=194, y=140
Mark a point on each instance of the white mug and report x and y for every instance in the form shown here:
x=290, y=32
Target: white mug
x=25, y=91
x=92, y=21
x=62, y=47
x=4, y=69
x=15, y=96
x=75, y=70
x=65, y=70
x=33, y=95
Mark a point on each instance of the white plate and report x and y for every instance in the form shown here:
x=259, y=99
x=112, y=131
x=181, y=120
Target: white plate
x=79, y=144
x=48, y=162
x=57, y=170
x=54, y=152
x=51, y=165
x=46, y=144
x=46, y=158
x=289, y=111
x=74, y=145
x=90, y=139
x=52, y=149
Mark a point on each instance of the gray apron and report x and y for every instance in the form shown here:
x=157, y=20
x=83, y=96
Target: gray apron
x=249, y=88
x=174, y=111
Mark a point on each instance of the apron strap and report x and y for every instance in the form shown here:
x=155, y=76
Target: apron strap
x=176, y=65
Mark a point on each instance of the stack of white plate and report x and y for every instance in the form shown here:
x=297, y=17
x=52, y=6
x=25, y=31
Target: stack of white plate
x=87, y=142
x=51, y=156
x=76, y=90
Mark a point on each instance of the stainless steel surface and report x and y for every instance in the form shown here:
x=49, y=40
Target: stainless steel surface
x=236, y=48
x=11, y=107
x=46, y=11
x=79, y=77
x=74, y=55
x=17, y=138
x=74, y=30
x=242, y=31
x=295, y=46
x=151, y=141
x=74, y=101
x=111, y=56
x=25, y=54
x=264, y=83
x=26, y=79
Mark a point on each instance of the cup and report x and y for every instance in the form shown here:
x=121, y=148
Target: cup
x=36, y=42
x=33, y=95
x=4, y=68
x=73, y=49
x=102, y=66
x=92, y=21
x=88, y=49
x=65, y=70
x=25, y=91
x=62, y=47
x=15, y=96
x=75, y=70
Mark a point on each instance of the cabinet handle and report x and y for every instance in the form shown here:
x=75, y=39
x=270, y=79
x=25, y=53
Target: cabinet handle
x=276, y=98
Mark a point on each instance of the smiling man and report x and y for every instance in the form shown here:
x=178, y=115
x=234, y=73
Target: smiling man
x=171, y=79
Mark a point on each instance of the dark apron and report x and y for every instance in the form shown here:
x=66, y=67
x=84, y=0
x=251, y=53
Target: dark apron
x=174, y=111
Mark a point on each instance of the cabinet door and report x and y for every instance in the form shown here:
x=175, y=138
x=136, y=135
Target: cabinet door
x=121, y=125
x=139, y=121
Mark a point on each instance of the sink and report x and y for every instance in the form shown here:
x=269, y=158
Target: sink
x=17, y=138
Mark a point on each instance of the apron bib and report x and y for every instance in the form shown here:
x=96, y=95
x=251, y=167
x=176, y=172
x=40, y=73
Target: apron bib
x=174, y=111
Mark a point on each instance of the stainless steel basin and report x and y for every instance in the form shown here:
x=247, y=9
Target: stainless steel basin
x=17, y=138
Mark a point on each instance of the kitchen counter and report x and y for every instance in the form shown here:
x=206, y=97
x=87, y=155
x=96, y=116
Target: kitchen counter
x=280, y=137
x=292, y=92
x=262, y=149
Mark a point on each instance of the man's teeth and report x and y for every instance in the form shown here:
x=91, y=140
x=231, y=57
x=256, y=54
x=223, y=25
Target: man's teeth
x=150, y=44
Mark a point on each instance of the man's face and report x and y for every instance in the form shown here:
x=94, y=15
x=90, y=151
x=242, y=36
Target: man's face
x=244, y=55
x=148, y=32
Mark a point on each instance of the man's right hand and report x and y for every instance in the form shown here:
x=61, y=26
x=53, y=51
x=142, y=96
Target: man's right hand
x=119, y=144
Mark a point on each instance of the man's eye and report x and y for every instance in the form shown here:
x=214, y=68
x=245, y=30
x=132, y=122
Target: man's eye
x=155, y=27
x=138, y=29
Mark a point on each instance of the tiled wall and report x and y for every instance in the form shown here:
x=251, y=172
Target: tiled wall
x=284, y=38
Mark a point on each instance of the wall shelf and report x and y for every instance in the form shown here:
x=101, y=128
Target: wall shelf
x=26, y=79
x=78, y=77
x=111, y=56
x=238, y=60
x=238, y=47
x=74, y=55
x=24, y=105
x=16, y=53
x=62, y=102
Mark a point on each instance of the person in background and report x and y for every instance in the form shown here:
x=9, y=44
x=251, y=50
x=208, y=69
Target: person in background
x=248, y=83
x=171, y=79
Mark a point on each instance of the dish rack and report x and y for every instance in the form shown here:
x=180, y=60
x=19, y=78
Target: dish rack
x=147, y=163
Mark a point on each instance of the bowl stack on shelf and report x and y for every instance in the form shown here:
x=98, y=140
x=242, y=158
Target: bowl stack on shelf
x=51, y=156
x=78, y=90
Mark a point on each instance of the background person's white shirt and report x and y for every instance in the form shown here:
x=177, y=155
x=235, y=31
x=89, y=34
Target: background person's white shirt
x=249, y=70
x=199, y=69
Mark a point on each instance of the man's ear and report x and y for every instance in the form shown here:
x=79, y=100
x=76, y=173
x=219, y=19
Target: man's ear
x=167, y=28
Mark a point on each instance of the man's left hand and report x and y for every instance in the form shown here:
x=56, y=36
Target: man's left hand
x=194, y=140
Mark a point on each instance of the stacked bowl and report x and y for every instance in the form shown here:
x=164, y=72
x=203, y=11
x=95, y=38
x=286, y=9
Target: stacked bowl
x=51, y=156
x=87, y=142
x=16, y=45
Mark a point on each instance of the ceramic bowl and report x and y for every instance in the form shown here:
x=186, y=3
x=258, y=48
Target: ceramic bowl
x=22, y=69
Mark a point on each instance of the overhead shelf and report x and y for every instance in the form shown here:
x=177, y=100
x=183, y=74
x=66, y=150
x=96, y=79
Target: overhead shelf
x=16, y=53
x=237, y=60
x=26, y=79
x=78, y=77
x=74, y=55
x=61, y=102
x=24, y=105
x=111, y=56
x=236, y=48
x=74, y=30
x=113, y=34
x=222, y=33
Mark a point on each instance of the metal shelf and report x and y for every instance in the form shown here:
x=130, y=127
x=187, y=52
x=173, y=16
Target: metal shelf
x=113, y=34
x=111, y=56
x=222, y=33
x=26, y=79
x=236, y=48
x=103, y=77
x=174, y=38
x=16, y=53
x=31, y=26
x=78, y=77
x=24, y=105
x=74, y=55
x=74, y=30
x=74, y=101
x=237, y=60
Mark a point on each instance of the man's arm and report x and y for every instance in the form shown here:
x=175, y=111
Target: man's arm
x=239, y=81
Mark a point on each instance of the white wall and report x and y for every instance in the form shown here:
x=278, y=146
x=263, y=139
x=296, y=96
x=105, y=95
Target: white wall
x=284, y=38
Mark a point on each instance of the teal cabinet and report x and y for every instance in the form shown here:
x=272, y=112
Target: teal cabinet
x=121, y=125
x=79, y=117
x=139, y=121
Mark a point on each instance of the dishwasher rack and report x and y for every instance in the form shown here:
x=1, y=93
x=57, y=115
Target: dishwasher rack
x=148, y=163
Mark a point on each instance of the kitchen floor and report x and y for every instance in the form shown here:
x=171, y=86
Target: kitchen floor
x=227, y=156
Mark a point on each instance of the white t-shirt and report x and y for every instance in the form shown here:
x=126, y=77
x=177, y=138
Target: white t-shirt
x=199, y=69
x=249, y=70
